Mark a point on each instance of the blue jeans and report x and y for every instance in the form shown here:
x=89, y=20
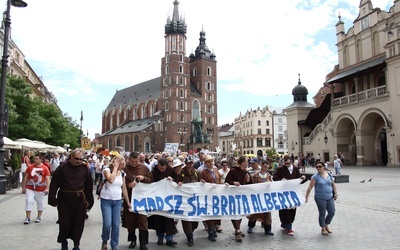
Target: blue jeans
x=337, y=171
x=111, y=211
x=323, y=206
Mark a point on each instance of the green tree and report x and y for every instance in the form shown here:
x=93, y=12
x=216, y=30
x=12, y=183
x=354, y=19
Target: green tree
x=271, y=153
x=34, y=119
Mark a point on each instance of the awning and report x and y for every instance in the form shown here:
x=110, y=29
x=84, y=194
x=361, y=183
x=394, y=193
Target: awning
x=357, y=69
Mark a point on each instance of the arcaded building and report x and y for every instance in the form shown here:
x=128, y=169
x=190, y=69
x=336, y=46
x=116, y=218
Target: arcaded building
x=179, y=106
x=357, y=109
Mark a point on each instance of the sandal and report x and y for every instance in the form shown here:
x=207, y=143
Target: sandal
x=238, y=237
x=324, y=232
x=328, y=229
x=104, y=246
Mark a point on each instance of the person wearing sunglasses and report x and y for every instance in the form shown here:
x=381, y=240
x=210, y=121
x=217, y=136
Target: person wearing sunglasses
x=71, y=191
x=324, y=187
x=288, y=171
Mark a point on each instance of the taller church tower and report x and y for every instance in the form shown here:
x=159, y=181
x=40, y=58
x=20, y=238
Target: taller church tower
x=175, y=81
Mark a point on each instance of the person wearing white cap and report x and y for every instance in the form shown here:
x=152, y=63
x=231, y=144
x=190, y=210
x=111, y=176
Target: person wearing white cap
x=188, y=175
x=177, y=166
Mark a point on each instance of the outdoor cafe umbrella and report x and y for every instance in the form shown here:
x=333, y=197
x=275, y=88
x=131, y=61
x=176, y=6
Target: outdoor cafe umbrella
x=10, y=144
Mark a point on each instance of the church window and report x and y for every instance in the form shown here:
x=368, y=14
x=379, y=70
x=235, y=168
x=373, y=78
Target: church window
x=195, y=109
x=180, y=69
x=208, y=71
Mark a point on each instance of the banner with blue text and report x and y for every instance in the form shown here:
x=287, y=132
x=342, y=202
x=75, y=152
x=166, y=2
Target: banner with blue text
x=204, y=201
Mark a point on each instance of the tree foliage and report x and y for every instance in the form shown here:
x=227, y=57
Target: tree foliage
x=271, y=153
x=32, y=118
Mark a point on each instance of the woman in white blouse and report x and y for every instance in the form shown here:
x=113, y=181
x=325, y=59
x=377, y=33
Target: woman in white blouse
x=111, y=200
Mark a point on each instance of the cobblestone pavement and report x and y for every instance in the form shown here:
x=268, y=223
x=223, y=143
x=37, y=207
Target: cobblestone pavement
x=366, y=218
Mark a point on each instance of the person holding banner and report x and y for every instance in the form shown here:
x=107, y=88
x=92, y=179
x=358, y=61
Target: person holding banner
x=113, y=189
x=239, y=176
x=287, y=172
x=259, y=177
x=188, y=174
x=135, y=172
x=210, y=175
x=164, y=226
x=324, y=187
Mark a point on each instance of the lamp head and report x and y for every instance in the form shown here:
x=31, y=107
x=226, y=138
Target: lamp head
x=18, y=3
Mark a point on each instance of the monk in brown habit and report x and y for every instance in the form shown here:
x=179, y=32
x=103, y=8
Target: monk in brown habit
x=71, y=191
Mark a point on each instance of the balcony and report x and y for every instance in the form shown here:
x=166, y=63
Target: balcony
x=366, y=95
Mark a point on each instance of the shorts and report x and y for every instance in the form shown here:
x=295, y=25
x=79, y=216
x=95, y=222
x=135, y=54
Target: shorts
x=31, y=196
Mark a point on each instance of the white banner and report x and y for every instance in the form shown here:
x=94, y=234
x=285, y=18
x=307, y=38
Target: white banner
x=204, y=201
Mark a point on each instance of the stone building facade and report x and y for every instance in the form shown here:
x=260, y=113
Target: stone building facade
x=254, y=132
x=357, y=107
x=179, y=106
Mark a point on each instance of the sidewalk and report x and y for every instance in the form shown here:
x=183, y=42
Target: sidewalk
x=366, y=218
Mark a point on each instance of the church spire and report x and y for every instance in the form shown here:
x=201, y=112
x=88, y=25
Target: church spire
x=177, y=23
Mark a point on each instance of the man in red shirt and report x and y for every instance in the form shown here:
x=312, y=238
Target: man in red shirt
x=35, y=186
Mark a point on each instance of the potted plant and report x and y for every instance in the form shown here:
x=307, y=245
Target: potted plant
x=15, y=163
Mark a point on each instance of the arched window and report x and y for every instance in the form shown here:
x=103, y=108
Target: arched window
x=166, y=69
x=208, y=71
x=182, y=118
x=194, y=72
x=181, y=57
x=126, y=144
x=110, y=144
x=209, y=87
x=166, y=106
x=181, y=81
x=136, y=144
x=209, y=97
x=181, y=106
x=180, y=69
x=181, y=93
x=118, y=142
x=195, y=109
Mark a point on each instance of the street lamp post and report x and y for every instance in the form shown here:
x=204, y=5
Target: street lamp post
x=4, y=64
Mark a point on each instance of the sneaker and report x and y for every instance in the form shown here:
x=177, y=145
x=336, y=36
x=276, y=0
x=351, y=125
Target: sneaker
x=250, y=230
x=38, y=220
x=27, y=221
x=290, y=232
x=190, y=242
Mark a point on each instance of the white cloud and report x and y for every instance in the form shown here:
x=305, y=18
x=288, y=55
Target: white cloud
x=87, y=49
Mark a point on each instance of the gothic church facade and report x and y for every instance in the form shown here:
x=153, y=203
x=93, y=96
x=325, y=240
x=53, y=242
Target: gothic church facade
x=180, y=106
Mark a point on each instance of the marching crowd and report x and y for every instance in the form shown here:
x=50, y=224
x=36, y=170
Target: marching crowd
x=69, y=185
